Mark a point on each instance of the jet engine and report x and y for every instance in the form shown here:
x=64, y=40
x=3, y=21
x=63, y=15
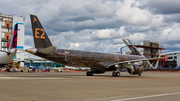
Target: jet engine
x=136, y=69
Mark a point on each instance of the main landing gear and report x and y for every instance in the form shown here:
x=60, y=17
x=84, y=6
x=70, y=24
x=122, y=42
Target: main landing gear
x=117, y=74
x=89, y=73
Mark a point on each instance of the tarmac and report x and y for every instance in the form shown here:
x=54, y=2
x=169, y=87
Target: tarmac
x=68, y=86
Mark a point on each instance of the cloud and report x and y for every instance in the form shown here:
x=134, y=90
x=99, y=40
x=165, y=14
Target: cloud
x=163, y=6
x=91, y=14
x=29, y=42
x=171, y=34
x=107, y=33
x=97, y=30
x=132, y=15
x=172, y=18
x=100, y=25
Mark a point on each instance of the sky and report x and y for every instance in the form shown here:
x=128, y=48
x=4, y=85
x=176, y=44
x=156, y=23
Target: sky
x=100, y=25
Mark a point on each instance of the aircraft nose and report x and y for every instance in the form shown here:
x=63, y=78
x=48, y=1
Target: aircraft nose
x=31, y=51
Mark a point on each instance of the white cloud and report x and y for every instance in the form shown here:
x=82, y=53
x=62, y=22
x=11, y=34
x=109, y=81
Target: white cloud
x=96, y=25
x=132, y=15
x=174, y=33
x=105, y=33
x=74, y=45
x=170, y=35
x=137, y=37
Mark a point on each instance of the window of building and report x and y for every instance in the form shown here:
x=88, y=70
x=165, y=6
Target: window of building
x=170, y=57
x=175, y=57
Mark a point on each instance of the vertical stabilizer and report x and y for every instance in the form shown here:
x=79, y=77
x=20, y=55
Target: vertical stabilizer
x=13, y=43
x=41, y=40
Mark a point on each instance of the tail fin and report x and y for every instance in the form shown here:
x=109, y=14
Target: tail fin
x=13, y=43
x=41, y=39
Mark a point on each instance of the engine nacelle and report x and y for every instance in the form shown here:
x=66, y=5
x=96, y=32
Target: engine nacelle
x=135, y=69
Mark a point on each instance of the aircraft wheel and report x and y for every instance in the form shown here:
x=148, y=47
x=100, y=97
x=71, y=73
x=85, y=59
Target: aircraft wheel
x=113, y=73
x=118, y=74
x=139, y=74
x=88, y=73
x=91, y=74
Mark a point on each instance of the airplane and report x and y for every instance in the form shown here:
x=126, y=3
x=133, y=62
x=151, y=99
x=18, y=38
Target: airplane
x=7, y=57
x=98, y=62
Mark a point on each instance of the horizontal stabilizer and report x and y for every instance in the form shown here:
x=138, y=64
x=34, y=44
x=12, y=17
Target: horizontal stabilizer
x=47, y=50
x=9, y=51
x=5, y=51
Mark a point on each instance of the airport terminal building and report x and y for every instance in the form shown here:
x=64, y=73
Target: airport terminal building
x=173, y=60
x=7, y=23
x=41, y=62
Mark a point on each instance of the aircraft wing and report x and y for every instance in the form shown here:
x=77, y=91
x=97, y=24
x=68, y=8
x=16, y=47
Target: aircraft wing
x=131, y=62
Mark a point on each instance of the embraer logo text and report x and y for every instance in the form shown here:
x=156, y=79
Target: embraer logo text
x=37, y=32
